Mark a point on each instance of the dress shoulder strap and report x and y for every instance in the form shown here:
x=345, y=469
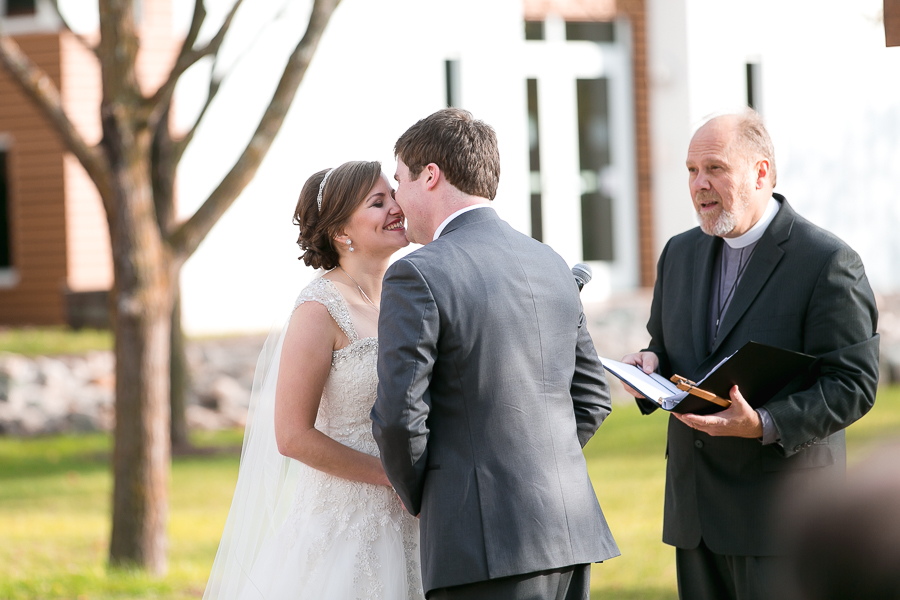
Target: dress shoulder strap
x=324, y=292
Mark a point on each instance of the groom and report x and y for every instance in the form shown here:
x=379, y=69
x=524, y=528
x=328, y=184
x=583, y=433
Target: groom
x=489, y=384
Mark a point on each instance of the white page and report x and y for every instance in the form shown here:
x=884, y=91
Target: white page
x=713, y=370
x=653, y=386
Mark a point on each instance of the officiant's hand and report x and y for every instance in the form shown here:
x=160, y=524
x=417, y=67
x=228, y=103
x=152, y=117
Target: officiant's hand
x=646, y=361
x=738, y=420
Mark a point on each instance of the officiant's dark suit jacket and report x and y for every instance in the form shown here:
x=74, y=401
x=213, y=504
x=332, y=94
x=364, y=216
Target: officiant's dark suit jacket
x=803, y=290
x=489, y=386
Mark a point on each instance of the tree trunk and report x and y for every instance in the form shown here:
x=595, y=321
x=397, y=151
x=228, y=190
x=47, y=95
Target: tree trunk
x=143, y=305
x=141, y=456
x=149, y=247
x=163, y=168
x=179, y=376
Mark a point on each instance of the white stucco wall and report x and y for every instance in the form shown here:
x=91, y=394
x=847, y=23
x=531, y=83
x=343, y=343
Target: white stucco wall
x=378, y=69
x=830, y=93
x=670, y=130
x=830, y=96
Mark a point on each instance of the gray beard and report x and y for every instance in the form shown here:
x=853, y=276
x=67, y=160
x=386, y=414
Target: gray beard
x=727, y=220
x=722, y=226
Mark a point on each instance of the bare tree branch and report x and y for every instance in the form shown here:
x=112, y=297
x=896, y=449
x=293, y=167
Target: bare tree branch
x=185, y=240
x=117, y=51
x=194, y=32
x=189, y=56
x=181, y=145
x=214, y=84
x=41, y=89
x=187, y=47
x=84, y=41
x=162, y=178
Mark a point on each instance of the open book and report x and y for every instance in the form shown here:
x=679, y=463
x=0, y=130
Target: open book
x=758, y=370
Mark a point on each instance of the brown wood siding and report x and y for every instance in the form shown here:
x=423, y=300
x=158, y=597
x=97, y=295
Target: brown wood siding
x=89, y=249
x=159, y=48
x=58, y=229
x=36, y=197
x=89, y=255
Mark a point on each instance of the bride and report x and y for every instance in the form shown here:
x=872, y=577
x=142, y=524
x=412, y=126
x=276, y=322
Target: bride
x=313, y=514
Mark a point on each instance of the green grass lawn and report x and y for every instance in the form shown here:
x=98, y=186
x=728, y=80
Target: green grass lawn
x=55, y=507
x=49, y=341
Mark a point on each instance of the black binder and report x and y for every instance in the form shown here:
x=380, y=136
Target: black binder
x=759, y=371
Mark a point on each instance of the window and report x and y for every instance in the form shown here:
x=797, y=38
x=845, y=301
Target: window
x=590, y=31
x=451, y=78
x=753, y=87
x=534, y=30
x=576, y=31
x=5, y=242
x=16, y=8
x=534, y=162
x=594, y=158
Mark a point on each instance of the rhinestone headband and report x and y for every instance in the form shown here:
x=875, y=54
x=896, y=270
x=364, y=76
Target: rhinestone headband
x=322, y=187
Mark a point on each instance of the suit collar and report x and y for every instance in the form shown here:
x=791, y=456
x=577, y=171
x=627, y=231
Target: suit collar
x=766, y=257
x=780, y=229
x=484, y=213
x=704, y=259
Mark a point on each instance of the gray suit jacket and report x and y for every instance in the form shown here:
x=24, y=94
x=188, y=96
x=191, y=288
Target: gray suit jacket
x=803, y=290
x=489, y=386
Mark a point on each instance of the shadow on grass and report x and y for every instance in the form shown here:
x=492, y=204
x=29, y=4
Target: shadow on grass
x=51, y=455
x=43, y=456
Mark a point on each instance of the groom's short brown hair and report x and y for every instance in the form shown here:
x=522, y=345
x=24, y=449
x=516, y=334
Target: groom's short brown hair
x=463, y=147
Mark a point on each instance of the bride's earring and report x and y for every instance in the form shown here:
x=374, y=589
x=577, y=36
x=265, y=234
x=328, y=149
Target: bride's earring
x=348, y=243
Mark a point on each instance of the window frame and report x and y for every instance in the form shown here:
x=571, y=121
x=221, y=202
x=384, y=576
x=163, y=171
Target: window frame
x=9, y=275
x=44, y=19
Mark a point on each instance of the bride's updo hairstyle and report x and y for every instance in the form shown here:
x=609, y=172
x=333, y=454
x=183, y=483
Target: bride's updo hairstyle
x=344, y=191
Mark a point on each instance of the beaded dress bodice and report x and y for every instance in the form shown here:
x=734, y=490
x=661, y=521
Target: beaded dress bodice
x=331, y=516
x=351, y=387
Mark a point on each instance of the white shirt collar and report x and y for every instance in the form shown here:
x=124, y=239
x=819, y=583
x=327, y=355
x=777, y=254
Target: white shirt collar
x=440, y=229
x=757, y=231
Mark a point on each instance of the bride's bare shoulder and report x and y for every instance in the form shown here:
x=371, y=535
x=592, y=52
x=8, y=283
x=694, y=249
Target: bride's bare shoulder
x=317, y=314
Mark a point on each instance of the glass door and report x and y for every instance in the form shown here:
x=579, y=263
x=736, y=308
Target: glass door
x=582, y=155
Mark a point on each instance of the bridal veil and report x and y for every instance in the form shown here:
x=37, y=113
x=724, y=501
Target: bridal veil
x=265, y=487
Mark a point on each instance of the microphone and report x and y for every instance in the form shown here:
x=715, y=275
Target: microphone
x=582, y=274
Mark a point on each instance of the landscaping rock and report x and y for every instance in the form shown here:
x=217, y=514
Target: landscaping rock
x=77, y=393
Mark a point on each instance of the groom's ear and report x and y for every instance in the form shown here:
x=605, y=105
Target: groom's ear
x=432, y=174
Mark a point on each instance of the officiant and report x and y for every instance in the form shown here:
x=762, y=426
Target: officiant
x=753, y=270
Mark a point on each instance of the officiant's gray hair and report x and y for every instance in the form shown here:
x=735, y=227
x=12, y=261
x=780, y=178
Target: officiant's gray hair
x=753, y=140
x=345, y=190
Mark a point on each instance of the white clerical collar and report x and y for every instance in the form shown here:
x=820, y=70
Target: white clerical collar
x=757, y=231
x=440, y=229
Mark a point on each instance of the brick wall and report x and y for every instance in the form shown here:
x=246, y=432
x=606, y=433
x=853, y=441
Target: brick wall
x=636, y=12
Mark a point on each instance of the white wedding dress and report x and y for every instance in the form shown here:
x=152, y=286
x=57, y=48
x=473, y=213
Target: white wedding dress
x=316, y=536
